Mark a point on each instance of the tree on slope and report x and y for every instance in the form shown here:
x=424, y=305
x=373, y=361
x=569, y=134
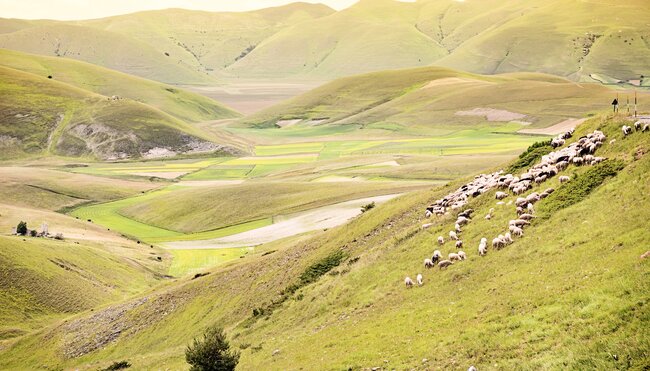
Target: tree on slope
x=211, y=352
x=21, y=229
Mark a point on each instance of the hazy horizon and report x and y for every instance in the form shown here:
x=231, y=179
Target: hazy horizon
x=68, y=10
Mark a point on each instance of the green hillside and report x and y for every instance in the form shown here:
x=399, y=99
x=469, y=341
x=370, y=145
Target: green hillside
x=43, y=116
x=571, y=294
x=574, y=39
x=173, y=46
x=181, y=104
x=432, y=97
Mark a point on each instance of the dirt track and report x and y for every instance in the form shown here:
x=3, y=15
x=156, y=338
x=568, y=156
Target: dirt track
x=558, y=128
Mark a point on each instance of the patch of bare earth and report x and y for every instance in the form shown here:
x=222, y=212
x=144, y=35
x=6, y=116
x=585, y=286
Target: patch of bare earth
x=561, y=127
x=493, y=114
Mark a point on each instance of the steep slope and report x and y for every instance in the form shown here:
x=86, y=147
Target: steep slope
x=39, y=115
x=172, y=46
x=571, y=293
x=181, y=104
x=435, y=97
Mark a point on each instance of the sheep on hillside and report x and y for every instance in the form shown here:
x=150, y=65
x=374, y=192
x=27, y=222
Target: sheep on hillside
x=516, y=231
x=444, y=264
x=428, y=263
x=437, y=255
x=646, y=127
x=459, y=244
x=419, y=279
x=497, y=243
x=457, y=228
x=462, y=255
x=453, y=235
x=453, y=256
x=441, y=240
x=408, y=282
x=427, y=225
x=564, y=179
x=482, y=248
x=501, y=195
x=428, y=214
x=627, y=130
x=637, y=125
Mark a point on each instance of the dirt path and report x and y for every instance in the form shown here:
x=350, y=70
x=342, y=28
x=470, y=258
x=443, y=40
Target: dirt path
x=558, y=128
x=286, y=226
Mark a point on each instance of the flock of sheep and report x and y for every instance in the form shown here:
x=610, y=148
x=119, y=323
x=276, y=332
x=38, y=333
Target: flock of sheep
x=578, y=153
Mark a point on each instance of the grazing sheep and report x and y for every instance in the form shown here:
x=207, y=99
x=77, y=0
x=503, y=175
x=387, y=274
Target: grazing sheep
x=437, y=255
x=418, y=278
x=459, y=244
x=521, y=202
x=488, y=217
x=518, y=222
x=462, y=255
x=540, y=179
x=462, y=220
x=520, y=210
x=637, y=125
x=517, y=231
x=549, y=190
x=472, y=368
x=530, y=208
x=428, y=214
x=453, y=256
x=532, y=198
x=457, y=228
x=578, y=161
x=646, y=127
x=408, y=282
x=427, y=225
x=441, y=240
x=626, y=130
x=482, y=248
x=501, y=195
x=612, y=141
x=497, y=243
x=564, y=179
x=428, y=263
x=444, y=264
x=526, y=217
x=508, y=238
x=453, y=235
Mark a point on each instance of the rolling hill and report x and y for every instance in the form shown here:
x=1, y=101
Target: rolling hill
x=43, y=116
x=437, y=98
x=173, y=46
x=179, y=103
x=590, y=40
x=570, y=294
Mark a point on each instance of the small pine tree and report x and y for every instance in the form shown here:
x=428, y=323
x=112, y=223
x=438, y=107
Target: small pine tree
x=212, y=352
x=21, y=229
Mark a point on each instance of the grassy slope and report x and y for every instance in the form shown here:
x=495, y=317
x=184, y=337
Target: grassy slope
x=40, y=115
x=570, y=294
x=44, y=280
x=181, y=104
x=202, y=209
x=430, y=97
x=53, y=190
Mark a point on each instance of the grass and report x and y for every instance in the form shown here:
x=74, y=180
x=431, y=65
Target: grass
x=570, y=294
x=197, y=261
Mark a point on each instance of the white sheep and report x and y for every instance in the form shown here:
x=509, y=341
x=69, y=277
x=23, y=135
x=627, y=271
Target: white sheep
x=408, y=282
x=427, y=225
x=627, y=130
x=419, y=279
x=564, y=179
x=507, y=238
x=459, y=244
x=488, y=217
x=497, y=243
x=428, y=263
x=453, y=256
x=530, y=208
x=646, y=127
x=472, y=368
x=500, y=195
x=444, y=263
x=457, y=228
x=462, y=255
x=482, y=248
x=517, y=231
x=441, y=240
x=462, y=220
x=526, y=217
x=453, y=235
x=428, y=214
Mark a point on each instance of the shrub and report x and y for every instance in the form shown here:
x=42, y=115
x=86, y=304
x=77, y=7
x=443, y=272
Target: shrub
x=58, y=236
x=367, y=207
x=118, y=366
x=33, y=233
x=581, y=186
x=211, y=352
x=530, y=156
x=21, y=229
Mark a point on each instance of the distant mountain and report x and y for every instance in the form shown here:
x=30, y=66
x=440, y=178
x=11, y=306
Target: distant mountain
x=172, y=46
x=572, y=38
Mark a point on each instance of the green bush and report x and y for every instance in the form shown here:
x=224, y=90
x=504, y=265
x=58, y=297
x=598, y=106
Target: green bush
x=211, y=352
x=530, y=156
x=580, y=187
x=118, y=366
x=21, y=229
x=367, y=207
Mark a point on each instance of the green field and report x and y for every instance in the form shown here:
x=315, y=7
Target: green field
x=196, y=261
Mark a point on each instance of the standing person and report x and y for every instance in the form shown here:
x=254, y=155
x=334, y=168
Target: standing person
x=615, y=104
